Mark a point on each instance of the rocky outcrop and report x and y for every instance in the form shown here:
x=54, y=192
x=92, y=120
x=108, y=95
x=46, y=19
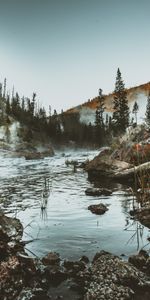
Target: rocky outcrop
x=98, y=209
x=111, y=278
x=108, y=277
x=105, y=166
x=25, y=278
x=20, y=276
x=121, y=171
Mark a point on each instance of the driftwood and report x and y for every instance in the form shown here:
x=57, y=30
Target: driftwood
x=129, y=174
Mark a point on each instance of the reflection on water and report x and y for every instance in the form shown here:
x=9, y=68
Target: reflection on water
x=64, y=224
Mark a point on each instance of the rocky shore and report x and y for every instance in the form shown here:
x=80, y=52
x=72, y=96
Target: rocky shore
x=128, y=162
x=106, y=277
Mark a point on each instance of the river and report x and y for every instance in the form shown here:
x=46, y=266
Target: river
x=66, y=225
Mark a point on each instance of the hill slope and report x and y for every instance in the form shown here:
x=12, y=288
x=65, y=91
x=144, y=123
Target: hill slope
x=138, y=94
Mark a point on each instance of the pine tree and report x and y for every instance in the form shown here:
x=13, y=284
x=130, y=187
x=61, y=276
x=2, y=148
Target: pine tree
x=32, y=105
x=121, y=109
x=8, y=109
x=4, y=89
x=135, y=110
x=148, y=111
x=101, y=108
x=1, y=90
x=99, y=118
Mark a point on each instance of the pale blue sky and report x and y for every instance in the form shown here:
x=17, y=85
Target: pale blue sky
x=65, y=50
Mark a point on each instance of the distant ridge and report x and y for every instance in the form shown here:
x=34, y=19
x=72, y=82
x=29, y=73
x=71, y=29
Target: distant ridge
x=132, y=93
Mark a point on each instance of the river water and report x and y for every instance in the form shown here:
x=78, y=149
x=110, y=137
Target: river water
x=66, y=225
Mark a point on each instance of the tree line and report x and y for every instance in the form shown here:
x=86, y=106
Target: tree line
x=63, y=128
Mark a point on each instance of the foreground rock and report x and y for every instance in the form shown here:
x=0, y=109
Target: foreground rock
x=111, y=278
x=25, y=278
x=98, y=209
x=98, y=192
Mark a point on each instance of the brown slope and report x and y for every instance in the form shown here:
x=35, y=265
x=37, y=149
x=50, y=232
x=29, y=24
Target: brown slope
x=93, y=103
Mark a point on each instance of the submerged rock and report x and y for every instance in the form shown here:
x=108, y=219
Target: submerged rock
x=98, y=209
x=32, y=151
x=98, y=192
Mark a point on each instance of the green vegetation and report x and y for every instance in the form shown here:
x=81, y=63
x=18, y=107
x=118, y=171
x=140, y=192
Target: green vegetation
x=121, y=109
x=148, y=111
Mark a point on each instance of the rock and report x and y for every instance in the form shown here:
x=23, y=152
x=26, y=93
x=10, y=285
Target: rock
x=51, y=258
x=143, y=215
x=111, y=278
x=33, y=155
x=10, y=229
x=55, y=274
x=33, y=151
x=98, y=192
x=143, y=253
x=74, y=268
x=38, y=155
x=3, y=250
x=98, y=209
x=33, y=294
x=105, y=166
x=85, y=259
x=140, y=261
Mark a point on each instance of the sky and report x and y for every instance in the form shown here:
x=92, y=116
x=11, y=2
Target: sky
x=65, y=50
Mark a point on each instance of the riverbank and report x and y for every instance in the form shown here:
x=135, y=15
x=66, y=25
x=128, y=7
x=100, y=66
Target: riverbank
x=66, y=226
x=106, y=277
x=127, y=161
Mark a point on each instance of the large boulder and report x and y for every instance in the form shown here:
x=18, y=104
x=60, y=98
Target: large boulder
x=105, y=166
x=111, y=278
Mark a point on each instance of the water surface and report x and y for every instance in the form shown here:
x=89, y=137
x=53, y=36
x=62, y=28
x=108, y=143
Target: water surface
x=66, y=225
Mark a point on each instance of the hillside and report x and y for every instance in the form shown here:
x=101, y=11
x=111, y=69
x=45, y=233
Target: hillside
x=137, y=93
